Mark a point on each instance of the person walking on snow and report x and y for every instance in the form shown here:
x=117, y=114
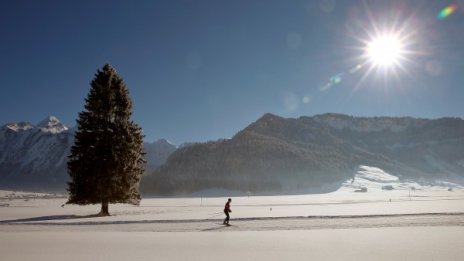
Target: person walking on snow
x=226, y=211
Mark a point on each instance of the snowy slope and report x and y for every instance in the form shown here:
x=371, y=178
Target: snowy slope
x=33, y=155
x=369, y=179
x=34, y=145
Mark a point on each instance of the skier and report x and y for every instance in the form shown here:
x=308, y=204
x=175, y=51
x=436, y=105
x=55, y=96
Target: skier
x=226, y=211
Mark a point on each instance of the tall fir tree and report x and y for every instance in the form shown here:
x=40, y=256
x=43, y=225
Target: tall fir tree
x=107, y=158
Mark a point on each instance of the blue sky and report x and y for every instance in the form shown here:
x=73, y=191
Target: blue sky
x=202, y=70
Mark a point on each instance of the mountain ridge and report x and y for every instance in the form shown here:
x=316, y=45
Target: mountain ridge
x=34, y=156
x=273, y=153
x=286, y=154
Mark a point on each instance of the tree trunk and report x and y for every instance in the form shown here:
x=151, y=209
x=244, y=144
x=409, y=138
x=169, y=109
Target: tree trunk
x=104, y=208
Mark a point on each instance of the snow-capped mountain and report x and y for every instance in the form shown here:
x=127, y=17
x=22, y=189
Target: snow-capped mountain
x=287, y=155
x=34, y=156
x=52, y=125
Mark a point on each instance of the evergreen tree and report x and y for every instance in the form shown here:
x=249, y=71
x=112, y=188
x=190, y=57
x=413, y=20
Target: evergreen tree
x=107, y=157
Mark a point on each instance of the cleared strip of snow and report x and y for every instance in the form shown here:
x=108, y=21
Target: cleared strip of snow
x=241, y=224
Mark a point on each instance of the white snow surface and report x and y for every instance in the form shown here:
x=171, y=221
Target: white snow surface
x=381, y=244
x=52, y=124
x=342, y=225
x=373, y=178
x=21, y=126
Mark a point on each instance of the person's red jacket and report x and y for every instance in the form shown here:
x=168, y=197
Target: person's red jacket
x=227, y=207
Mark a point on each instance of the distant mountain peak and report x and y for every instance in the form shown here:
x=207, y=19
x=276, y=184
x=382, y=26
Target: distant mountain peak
x=164, y=142
x=158, y=152
x=263, y=123
x=34, y=156
x=22, y=126
x=49, y=121
x=51, y=124
x=269, y=117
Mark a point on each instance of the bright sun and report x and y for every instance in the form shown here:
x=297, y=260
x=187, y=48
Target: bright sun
x=385, y=51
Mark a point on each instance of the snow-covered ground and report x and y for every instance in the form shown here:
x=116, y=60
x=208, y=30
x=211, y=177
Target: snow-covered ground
x=406, y=243
x=375, y=179
x=400, y=223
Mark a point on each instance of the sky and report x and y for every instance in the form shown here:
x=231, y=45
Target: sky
x=200, y=70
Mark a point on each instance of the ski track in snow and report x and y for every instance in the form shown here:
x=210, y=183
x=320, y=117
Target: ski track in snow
x=338, y=210
x=245, y=224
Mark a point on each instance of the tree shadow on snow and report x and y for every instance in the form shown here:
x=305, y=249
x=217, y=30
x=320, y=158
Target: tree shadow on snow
x=47, y=218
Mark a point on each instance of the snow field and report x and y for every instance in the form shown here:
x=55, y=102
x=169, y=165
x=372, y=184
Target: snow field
x=410, y=243
x=340, y=203
x=343, y=225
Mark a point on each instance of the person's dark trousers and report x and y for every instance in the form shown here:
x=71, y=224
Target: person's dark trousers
x=226, y=221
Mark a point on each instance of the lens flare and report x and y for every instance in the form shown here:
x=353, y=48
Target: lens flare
x=356, y=68
x=447, y=11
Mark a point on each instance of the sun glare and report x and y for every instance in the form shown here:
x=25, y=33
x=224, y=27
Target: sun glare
x=385, y=47
x=384, y=51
